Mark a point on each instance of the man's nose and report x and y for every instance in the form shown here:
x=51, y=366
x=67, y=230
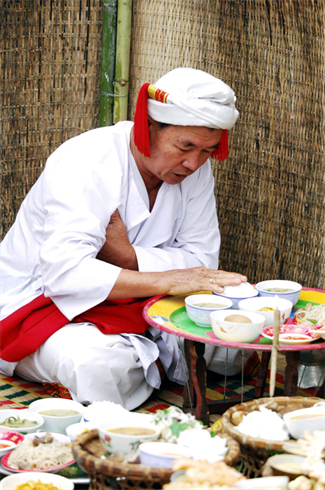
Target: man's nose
x=192, y=162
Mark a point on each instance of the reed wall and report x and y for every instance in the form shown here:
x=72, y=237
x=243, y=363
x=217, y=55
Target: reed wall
x=270, y=192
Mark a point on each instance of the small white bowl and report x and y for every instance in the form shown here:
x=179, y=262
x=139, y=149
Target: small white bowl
x=268, y=482
x=22, y=414
x=125, y=443
x=238, y=293
x=11, y=482
x=255, y=304
x=201, y=315
x=57, y=424
x=297, y=422
x=162, y=454
x=6, y=446
x=74, y=430
x=232, y=331
x=292, y=295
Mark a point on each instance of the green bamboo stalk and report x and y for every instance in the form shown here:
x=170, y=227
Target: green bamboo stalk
x=123, y=43
x=106, y=103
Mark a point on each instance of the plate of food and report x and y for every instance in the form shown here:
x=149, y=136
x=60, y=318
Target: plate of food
x=290, y=334
x=312, y=316
x=48, y=452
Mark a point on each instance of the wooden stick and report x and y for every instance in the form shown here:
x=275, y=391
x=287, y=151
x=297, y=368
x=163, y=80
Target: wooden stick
x=275, y=348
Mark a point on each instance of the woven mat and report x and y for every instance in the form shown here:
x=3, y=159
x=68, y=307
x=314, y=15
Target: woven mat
x=18, y=393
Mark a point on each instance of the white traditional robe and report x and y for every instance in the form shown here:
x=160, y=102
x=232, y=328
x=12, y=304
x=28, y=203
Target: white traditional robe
x=61, y=225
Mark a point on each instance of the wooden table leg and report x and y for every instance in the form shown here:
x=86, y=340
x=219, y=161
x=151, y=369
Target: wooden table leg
x=262, y=374
x=194, y=352
x=291, y=373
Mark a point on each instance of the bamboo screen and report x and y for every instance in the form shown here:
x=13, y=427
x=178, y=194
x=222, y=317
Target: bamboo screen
x=271, y=191
x=50, y=68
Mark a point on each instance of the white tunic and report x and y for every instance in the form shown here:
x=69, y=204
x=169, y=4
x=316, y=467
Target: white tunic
x=61, y=224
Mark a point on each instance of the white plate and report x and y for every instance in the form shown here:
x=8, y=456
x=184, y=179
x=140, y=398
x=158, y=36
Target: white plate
x=81, y=481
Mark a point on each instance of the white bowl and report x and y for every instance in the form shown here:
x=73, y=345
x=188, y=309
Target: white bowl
x=292, y=295
x=22, y=414
x=125, y=443
x=57, y=424
x=233, y=331
x=255, y=304
x=74, y=430
x=201, y=315
x=11, y=482
x=268, y=482
x=161, y=454
x=297, y=422
x=238, y=293
x=6, y=446
x=10, y=439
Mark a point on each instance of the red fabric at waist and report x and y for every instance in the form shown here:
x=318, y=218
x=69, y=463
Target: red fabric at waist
x=25, y=330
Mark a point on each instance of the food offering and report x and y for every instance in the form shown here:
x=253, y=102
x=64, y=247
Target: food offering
x=312, y=316
x=9, y=440
x=288, y=290
x=24, y=421
x=199, y=307
x=238, y=293
x=237, y=326
x=36, y=481
x=58, y=413
x=290, y=334
x=40, y=452
x=267, y=307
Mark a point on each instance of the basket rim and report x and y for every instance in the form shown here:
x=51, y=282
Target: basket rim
x=258, y=443
x=135, y=470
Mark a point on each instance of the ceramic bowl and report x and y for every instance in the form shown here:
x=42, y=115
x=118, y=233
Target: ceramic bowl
x=306, y=419
x=114, y=442
x=57, y=424
x=292, y=295
x=255, y=304
x=268, y=482
x=286, y=465
x=74, y=430
x=161, y=454
x=11, y=482
x=201, y=315
x=23, y=415
x=232, y=331
x=238, y=293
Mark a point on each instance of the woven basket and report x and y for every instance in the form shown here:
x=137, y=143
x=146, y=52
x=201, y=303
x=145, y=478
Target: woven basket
x=105, y=474
x=256, y=451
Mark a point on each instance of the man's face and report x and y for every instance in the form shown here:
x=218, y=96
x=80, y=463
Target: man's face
x=177, y=152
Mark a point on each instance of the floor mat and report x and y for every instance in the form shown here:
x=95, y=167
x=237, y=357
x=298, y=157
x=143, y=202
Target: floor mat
x=18, y=393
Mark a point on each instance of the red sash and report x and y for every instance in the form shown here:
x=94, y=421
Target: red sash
x=25, y=330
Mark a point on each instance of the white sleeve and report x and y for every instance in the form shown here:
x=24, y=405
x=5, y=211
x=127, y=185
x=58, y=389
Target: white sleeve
x=198, y=239
x=79, y=199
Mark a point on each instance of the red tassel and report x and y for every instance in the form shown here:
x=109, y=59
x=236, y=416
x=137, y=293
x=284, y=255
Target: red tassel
x=141, y=127
x=221, y=153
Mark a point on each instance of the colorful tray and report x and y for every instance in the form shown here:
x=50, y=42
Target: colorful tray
x=168, y=313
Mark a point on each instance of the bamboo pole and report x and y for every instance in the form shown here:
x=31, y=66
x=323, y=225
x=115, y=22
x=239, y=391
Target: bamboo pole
x=275, y=348
x=106, y=104
x=123, y=43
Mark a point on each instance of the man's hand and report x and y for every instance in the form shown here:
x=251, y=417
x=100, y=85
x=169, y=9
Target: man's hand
x=117, y=249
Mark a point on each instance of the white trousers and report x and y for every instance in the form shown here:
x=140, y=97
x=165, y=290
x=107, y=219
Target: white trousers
x=95, y=367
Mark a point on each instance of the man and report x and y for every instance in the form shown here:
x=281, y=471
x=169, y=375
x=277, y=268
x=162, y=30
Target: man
x=119, y=212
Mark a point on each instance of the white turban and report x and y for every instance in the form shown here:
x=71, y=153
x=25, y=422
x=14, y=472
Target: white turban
x=195, y=98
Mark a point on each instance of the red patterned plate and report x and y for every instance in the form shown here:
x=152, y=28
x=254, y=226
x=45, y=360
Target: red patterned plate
x=52, y=469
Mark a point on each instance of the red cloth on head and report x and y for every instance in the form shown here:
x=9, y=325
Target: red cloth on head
x=25, y=330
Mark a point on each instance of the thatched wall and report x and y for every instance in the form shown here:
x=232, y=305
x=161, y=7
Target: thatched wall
x=270, y=192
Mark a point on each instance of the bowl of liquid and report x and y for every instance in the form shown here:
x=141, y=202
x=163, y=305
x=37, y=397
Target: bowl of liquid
x=18, y=420
x=289, y=290
x=57, y=413
x=126, y=438
x=306, y=419
x=199, y=307
x=162, y=454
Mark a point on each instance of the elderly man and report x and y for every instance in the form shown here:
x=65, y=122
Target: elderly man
x=119, y=212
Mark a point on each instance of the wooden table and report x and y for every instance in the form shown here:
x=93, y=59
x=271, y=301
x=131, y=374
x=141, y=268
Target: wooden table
x=162, y=313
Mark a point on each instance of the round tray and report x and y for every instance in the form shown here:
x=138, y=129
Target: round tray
x=104, y=473
x=256, y=451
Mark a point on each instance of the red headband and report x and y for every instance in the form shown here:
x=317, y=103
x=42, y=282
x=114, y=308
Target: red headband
x=141, y=127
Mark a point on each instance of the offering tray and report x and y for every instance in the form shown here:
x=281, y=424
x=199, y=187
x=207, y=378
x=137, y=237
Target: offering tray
x=105, y=474
x=168, y=313
x=256, y=451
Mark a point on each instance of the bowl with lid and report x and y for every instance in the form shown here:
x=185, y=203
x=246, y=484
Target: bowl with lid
x=238, y=293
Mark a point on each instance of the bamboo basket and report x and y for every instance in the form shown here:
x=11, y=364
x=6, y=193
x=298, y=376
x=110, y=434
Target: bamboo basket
x=105, y=474
x=255, y=451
